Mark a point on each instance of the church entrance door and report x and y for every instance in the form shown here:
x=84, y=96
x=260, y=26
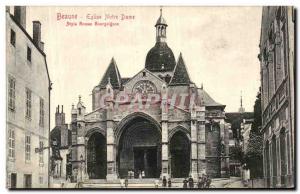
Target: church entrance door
x=145, y=159
x=180, y=155
x=139, y=149
x=96, y=156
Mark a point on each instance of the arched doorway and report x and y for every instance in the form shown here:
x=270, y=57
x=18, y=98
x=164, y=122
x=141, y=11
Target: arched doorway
x=180, y=147
x=96, y=156
x=139, y=148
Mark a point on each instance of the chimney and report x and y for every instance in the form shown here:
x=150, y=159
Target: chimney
x=8, y=9
x=59, y=117
x=20, y=15
x=42, y=45
x=36, y=33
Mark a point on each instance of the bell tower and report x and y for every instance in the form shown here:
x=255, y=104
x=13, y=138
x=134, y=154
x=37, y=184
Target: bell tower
x=161, y=28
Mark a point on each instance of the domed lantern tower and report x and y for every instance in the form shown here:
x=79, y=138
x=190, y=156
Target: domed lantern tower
x=160, y=59
x=161, y=28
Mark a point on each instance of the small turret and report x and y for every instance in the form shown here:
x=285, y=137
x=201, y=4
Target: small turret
x=80, y=108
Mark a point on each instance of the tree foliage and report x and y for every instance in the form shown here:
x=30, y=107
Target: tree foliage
x=236, y=153
x=254, y=153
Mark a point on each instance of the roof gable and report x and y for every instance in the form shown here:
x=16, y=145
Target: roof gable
x=144, y=74
x=180, y=76
x=112, y=74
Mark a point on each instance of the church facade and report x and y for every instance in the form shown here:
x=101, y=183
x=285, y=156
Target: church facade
x=157, y=122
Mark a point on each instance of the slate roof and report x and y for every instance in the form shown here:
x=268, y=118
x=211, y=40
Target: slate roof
x=125, y=79
x=160, y=58
x=112, y=73
x=161, y=21
x=180, y=76
x=207, y=100
x=233, y=116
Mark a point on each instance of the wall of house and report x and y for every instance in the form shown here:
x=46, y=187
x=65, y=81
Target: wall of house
x=32, y=75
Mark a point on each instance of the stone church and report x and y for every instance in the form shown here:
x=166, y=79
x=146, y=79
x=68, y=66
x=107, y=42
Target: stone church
x=162, y=139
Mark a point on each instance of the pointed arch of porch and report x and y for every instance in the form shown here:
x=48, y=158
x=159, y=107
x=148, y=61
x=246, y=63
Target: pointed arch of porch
x=129, y=118
x=179, y=128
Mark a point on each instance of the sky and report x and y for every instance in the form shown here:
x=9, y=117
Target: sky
x=219, y=46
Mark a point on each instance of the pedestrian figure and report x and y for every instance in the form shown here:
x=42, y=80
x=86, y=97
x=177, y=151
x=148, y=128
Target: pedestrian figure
x=131, y=174
x=200, y=182
x=126, y=182
x=156, y=183
x=208, y=182
x=169, y=183
x=185, y=183
x=164, y=181
x=191, y=182
x=122, y=182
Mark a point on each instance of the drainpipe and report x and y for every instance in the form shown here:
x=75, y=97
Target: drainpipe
x=49, y=161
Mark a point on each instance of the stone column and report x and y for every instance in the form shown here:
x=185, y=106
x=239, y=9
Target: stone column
x=164, y=134
x=201, y=140
x=288, y=161
x=264, y=163
x=81, y=152
x=278, y=160
x=271, y=163
x=164, y=151
x=194, y=149
x=224, y=156
x=110, y=143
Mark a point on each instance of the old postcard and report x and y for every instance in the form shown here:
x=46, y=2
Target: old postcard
x=150, y=97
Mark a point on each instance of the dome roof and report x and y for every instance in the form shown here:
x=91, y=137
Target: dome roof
x=160, y=58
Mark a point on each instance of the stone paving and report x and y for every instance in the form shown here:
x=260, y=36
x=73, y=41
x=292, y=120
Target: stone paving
x=232, y=182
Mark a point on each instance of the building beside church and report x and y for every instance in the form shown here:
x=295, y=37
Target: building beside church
x=28, y=104
x=157, y=122
x=239, y=126
x=277, y=63
x=60, y=142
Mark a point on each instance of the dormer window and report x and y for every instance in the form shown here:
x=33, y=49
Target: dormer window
x=79, y=111
x=144, y=74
